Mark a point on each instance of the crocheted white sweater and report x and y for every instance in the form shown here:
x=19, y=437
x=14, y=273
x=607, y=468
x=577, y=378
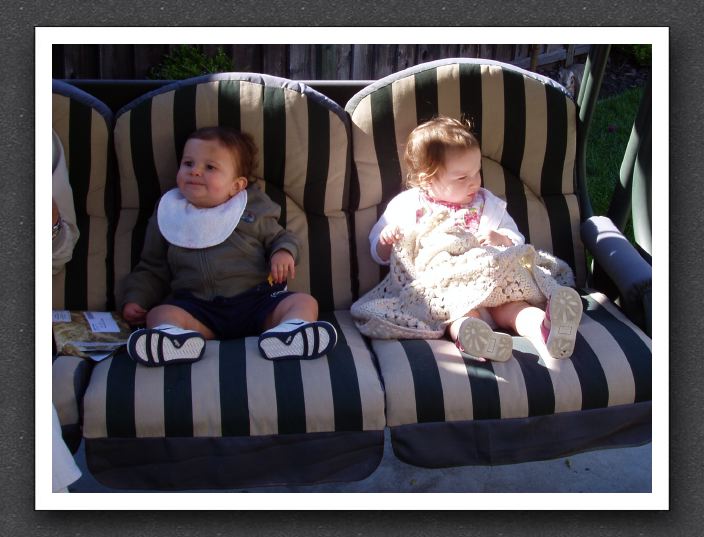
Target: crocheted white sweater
x=438, y=273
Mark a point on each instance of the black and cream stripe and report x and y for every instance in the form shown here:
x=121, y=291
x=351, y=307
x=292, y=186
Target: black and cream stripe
x=234, y=391
x=69, y=380
x=429, y=381
x=84, y=126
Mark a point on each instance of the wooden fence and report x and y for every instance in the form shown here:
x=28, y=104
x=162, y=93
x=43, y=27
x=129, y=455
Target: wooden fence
x=297, y=62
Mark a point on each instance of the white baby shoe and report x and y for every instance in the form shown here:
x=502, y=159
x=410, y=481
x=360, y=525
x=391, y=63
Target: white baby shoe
x=298, y=339
x=165, y=344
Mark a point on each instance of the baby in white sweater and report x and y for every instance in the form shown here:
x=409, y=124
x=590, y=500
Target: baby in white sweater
x=444, y=173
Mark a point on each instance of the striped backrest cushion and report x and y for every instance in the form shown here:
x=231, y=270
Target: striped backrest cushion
x=84, y=126
x=304, y=162
x=527, y=126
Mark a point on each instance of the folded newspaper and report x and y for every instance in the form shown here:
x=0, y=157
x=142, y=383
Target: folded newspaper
x=89, y=334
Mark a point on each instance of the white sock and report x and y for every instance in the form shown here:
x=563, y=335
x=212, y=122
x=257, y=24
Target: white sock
x=297, y=322
x=171, y=328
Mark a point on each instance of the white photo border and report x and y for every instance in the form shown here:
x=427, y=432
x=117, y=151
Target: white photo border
x=657, y=499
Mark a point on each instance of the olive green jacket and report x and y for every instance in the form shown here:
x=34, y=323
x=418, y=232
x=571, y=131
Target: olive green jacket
x=235, y=265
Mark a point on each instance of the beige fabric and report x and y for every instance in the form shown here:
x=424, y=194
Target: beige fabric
x=63, y=393
x=61, y=192
x=63, y=467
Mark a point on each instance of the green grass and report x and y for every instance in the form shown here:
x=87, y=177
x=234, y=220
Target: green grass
x=606, y=144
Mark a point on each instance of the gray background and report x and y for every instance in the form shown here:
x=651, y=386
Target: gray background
x=17, y=515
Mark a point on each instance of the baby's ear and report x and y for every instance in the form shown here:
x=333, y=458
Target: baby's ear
x=240, y=183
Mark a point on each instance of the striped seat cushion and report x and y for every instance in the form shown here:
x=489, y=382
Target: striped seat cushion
x=601, y=395
x=233, y=391
x=303, y=160
x=84, y=126
x=233, y=394
x=527, y=128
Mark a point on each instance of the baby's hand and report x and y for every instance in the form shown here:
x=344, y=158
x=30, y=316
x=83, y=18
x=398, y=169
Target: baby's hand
x=283, y=266
x=390, y=234
x=133, y=313
x=494, y=238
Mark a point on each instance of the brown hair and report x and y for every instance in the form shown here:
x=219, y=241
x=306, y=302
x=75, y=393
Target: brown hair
x=240, y=143
x=427, y=144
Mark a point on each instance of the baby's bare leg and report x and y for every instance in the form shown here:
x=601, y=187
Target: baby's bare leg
x=519, y=316
x=522, y=318
x=173, y=315
x=295, y=306
x=557, y=336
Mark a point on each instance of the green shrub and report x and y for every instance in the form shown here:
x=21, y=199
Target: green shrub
x=187, y=61
x=641, y=54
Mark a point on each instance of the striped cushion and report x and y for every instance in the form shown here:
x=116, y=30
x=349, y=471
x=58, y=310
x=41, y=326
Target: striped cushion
x=444, y=410
x=428, y=382
x=233, y=407
x=527, y=128
x=267, y=422
x=70, y=376
x=83, y=124
x=304, y=156
x=233, y=391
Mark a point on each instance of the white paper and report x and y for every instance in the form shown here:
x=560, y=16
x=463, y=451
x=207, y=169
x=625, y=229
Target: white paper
x=61, y=316
x=99, y=356
x=101, y=321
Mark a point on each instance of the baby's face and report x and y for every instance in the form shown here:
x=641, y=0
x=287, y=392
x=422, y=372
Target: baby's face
x=208, y=175
x=460, y=178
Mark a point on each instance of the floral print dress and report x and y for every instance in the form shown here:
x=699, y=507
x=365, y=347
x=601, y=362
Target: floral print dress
x=466, y=215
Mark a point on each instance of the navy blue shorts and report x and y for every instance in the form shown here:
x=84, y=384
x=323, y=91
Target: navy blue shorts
x=233, y=317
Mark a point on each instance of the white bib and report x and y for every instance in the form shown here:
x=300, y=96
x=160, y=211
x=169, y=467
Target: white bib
x=183, y=224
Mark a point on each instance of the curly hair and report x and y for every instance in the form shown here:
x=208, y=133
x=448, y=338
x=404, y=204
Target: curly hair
x=427, y=144
x=240, y=143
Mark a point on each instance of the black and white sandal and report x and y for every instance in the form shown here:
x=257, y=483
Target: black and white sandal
x=298, y=340
x=163, y=346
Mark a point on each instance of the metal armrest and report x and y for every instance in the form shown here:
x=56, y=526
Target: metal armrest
x=622, y=263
